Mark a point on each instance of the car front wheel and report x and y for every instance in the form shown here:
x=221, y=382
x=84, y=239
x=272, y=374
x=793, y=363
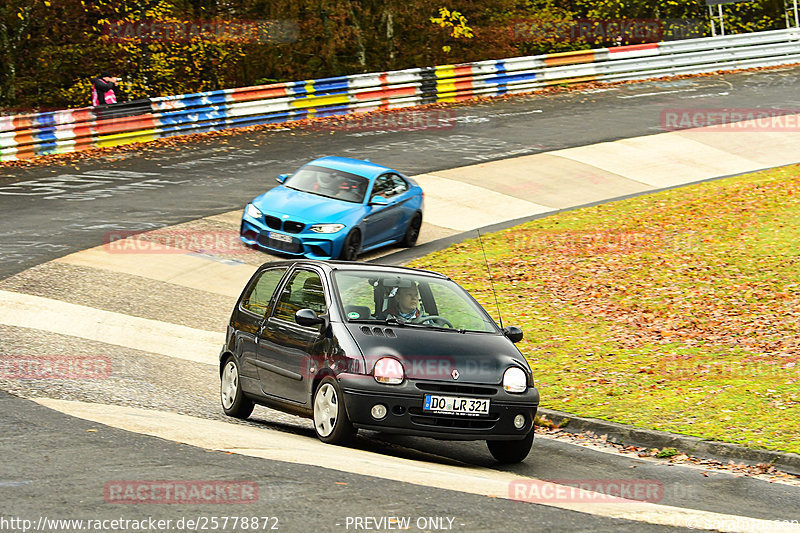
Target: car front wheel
x=234, y=403
x=511, y=451
x=351, y=246
x=330, y=418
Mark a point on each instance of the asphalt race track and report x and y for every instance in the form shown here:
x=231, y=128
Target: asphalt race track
x=155, y=319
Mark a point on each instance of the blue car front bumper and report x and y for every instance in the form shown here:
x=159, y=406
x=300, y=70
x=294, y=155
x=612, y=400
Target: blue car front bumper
x=315, y=246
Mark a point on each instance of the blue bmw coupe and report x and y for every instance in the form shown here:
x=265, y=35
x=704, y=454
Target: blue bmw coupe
x=335, y=207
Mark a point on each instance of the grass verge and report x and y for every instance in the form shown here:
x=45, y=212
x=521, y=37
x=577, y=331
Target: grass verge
x=677, y=311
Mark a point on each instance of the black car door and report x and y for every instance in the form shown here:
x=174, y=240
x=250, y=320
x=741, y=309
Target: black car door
x=285, y=348
x=250, y=314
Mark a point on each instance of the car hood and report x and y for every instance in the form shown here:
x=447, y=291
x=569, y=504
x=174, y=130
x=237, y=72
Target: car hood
x=305, y=207
x=431, y=354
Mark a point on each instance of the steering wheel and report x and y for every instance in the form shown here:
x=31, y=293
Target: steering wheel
x=435, y=320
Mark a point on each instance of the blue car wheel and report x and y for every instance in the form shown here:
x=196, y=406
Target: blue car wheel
x=351, y=246
x=412, y=233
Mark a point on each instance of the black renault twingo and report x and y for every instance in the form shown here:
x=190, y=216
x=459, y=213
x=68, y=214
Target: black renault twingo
x=363, y=346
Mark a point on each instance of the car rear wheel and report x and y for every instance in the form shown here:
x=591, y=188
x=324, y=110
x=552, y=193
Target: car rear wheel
x=330, y=418
x=351, y=246
x=412, y=233
x=511, y=451
x=234, y=403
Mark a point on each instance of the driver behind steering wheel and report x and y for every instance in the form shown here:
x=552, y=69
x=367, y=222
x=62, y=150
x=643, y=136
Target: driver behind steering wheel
x=405, y=303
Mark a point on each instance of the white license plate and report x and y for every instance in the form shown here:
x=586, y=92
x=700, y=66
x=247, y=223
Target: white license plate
x=456, y=405
x=280, y=237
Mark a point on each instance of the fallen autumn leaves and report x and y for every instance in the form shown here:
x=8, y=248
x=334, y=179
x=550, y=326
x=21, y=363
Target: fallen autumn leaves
x=678, y=310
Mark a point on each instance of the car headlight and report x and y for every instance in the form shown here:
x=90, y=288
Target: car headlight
x=252, y=211
x=515, y=380
x=326, y=228
x=389, y=370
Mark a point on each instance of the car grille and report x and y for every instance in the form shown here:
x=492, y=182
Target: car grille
x=272, y=222
x=421, y=418
x=456, y=389
x=293, y=247
x=290, y=226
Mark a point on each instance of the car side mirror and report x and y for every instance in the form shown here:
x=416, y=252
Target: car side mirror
x=283, y=177
x=308, y=318
x=378, y=200
x=513, y=333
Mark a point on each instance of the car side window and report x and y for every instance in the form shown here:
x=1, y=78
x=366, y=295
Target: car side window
x=304, y=290
x=399, y=185
x=383, y=186
x=257, y=300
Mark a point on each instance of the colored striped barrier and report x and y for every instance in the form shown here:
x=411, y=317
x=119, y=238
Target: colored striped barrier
x=26, y=136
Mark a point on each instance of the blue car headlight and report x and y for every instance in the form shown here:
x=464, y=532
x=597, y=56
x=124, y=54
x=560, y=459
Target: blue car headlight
x=252, y=211
x=326, y=228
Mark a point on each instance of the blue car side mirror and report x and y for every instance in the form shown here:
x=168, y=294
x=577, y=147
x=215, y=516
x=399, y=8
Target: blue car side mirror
x=283, y=177
x=378, y=200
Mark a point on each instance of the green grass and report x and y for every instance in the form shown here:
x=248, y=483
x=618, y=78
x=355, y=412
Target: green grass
x=678, y=311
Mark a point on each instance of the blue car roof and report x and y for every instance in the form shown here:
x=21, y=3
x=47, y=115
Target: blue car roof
x=353, y=166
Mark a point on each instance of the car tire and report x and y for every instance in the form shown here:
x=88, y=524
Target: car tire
x=351, y=246
x=412, y=232
x=511, y=451
x=234, y=402
x=331, y=423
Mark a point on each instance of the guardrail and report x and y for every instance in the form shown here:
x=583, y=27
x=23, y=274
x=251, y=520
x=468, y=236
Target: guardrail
x=26, y=136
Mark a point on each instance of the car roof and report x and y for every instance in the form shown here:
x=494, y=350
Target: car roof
x=355, y=266
x=359, y=167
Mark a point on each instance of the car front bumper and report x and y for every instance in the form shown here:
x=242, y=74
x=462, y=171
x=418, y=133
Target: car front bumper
x=405, y=414
x=316, y=246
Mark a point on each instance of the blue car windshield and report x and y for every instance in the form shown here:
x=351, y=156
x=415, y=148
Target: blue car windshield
x=329, y=183
x=368, y=296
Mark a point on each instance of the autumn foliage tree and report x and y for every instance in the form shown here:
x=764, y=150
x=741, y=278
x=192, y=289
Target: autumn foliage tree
x=50, y=50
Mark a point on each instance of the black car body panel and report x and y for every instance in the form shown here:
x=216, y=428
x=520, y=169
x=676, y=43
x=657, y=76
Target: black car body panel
x=281, y=362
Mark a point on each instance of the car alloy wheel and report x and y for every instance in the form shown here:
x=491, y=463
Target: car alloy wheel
x=511, y=451
x=412, y=233
x=234, y=402
x=330, y=418
x=351, y=246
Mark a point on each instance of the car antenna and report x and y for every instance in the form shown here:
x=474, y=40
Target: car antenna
x=488, y=271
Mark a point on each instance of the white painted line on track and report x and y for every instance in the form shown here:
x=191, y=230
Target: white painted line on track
x=172, y=340
x=661, y=160
x=461, y=206
x=657, y=93
x=170, y=265
x=298, y=449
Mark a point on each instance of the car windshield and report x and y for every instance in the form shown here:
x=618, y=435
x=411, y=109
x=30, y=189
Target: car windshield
x=409, y=299
x=329, y=183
